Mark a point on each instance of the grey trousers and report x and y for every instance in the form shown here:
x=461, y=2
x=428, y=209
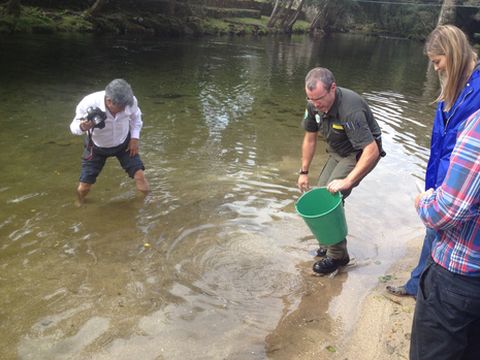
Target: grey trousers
x=338, y=167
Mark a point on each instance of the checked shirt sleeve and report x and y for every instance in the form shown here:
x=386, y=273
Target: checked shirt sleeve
x=456, y=201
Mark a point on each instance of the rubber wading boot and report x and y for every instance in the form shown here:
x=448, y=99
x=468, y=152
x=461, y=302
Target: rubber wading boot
x=329, y=265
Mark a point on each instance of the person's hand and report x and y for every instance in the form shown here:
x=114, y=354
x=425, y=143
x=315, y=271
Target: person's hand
x=133, y=147
x=339, y=185
x=302, y=183
x=86, y=125
x=422, y=195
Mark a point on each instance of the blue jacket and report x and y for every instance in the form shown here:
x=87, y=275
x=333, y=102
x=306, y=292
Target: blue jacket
x=445, y=129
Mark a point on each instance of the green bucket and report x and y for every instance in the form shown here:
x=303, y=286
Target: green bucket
x=323, y=212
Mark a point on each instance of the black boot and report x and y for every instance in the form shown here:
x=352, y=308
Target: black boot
x=329, y=265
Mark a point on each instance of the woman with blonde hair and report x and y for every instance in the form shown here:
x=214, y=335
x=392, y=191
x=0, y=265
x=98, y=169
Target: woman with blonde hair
x=455, y=61
x=453, y=58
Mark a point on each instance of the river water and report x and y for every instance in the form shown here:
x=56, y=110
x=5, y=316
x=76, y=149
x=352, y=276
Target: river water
x=209, y=264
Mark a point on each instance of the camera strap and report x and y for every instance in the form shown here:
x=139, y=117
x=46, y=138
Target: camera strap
x=89, y=145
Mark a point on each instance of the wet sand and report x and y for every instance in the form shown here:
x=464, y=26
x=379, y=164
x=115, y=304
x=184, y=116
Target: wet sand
x=381, y=330
x=384, y=326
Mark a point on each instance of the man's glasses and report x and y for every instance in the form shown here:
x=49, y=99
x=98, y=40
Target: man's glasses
x=320, y=97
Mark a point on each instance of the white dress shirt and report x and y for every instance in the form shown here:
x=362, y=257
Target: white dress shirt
x=116, y=127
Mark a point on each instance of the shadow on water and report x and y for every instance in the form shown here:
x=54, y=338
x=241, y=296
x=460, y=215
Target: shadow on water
x=214, y=263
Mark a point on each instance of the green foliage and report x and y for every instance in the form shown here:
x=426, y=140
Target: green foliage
x=238, y=26
x=331, y=348
x=262, y=21
x=411, y=21
x=386, y=278
x=214, y=26
x=301, y=27
x=218, y=13
x=36, y=20
x=387, y=18
x=31, y=19
x=73, y=23
x=226, y=21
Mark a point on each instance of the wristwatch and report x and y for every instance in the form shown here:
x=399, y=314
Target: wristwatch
x=303, y=172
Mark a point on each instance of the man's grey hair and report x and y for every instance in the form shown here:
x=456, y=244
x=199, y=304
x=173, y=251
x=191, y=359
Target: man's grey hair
x=120, y=92
x=319, y=74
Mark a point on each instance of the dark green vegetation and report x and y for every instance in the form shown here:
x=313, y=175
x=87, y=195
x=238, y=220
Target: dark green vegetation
x=407, y=19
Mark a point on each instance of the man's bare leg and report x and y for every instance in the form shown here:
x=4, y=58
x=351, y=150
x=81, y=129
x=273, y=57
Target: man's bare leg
x=82, y=191
x=141, y=182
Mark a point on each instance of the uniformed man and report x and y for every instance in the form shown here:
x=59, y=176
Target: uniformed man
x=354, y=147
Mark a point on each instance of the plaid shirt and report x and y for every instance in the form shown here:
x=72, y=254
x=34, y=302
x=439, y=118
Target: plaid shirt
x=453, y=209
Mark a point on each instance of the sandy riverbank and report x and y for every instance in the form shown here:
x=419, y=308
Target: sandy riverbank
x=384, y=326
x=381, y=330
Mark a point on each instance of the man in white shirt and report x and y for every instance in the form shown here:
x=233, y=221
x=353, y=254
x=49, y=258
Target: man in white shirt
x=112, y=121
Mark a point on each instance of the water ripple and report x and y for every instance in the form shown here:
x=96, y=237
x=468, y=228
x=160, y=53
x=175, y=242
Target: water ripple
x=392, y=112
x=25, y=197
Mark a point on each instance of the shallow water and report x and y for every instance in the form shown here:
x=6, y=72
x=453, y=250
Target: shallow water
x=210, y=263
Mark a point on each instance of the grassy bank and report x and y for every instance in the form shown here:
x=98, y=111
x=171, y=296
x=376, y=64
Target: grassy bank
x=36, y=20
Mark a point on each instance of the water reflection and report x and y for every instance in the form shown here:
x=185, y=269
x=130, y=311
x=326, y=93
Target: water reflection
x=215, y=260
x=403, y=123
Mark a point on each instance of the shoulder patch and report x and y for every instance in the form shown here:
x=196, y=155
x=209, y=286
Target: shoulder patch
x=306, y=114
x=318, y=118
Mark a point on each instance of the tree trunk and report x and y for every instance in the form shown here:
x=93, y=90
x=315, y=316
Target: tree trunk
x=277, y=16
x=274, y=14
x=316, y=19
x=447, y=12
x=13, y=7
x=293, y=19
x=286, y=13
x=95, y=9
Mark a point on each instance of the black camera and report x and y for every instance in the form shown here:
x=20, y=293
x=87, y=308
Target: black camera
x=96, y=116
